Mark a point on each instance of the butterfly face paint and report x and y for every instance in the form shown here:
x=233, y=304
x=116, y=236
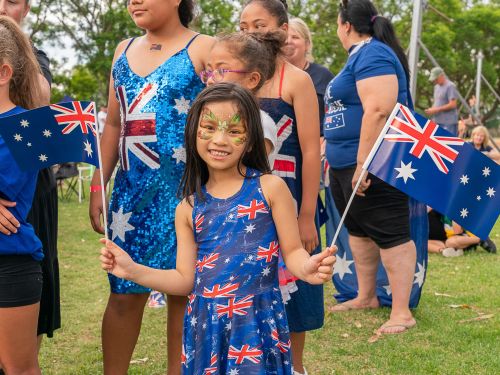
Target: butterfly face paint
x=228, y=125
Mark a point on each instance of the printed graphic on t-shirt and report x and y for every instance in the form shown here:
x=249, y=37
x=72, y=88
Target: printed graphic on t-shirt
x=334, y=117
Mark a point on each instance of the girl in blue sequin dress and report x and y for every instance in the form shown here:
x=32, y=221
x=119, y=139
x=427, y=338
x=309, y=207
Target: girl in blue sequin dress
x=232, y=224
x=153, y=83
x=289, y=98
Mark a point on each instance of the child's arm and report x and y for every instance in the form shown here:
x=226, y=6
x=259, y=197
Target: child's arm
x=305, y=104
x=457, y=229
x=315, y=269
x=178, y=281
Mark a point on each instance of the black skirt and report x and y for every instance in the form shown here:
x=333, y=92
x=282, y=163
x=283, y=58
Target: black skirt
x=43, y=217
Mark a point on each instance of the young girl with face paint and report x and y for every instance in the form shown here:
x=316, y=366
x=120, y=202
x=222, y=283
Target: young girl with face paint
x=289, y=98
x=153, y=82
x=232, y=222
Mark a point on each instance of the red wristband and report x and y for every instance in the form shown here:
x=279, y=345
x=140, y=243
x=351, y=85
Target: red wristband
x=95, y=188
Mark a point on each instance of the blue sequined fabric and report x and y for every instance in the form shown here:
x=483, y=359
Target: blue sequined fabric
x=153, y=114
x=235, y=321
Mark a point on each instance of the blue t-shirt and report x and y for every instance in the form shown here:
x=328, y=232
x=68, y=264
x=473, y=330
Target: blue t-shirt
x=344, y=110
x=19, y=187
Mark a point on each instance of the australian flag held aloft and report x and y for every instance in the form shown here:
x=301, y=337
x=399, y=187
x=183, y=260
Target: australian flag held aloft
x=426, y=162
x=51, y=135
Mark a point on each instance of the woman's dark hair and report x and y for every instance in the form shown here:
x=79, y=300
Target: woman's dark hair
x=277, y=9
x=257, y=51
x=254, y=154
x=186, y=12
x=364, y=17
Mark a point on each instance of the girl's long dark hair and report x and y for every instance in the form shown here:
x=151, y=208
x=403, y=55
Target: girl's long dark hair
x=254, y=154
x=186, y=12
x=364, y=17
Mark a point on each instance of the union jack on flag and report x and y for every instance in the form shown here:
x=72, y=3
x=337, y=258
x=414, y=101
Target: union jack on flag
x=235, y=307
x=416, y=156
x=138, y=128
x=75, y=115
x=246, y=352
x=36, y=140
x=423, y=139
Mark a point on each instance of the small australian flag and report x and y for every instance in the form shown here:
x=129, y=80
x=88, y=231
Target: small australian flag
x=426, y=162
x=53, y=134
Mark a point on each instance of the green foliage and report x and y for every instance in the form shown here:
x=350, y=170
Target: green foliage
x=96, y=26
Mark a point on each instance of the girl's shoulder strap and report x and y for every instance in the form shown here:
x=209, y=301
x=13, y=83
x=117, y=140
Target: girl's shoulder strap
x=192, y=40
x=129, y=44
x=282, y=76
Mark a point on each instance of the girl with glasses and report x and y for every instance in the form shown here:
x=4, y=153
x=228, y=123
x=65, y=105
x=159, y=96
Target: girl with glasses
x=249, y=60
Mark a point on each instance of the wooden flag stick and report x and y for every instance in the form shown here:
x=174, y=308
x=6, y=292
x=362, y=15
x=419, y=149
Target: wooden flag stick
x=103, y=186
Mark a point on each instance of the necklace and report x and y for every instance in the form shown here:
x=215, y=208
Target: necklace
x=356, y=47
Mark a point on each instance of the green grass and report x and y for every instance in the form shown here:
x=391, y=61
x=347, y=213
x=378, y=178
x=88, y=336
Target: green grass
x=440, y=344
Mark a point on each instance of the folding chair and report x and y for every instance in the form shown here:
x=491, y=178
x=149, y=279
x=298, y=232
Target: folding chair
x=67, y=178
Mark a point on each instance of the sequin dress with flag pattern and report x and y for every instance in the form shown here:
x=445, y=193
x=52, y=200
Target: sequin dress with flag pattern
x=235, y=321
x=153, y=113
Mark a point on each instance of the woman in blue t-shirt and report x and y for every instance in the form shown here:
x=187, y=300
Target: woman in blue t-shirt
x=21, y=251
x=358, y=101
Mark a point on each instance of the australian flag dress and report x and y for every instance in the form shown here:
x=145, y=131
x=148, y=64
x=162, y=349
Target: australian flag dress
x=153, y=115
x=235, y=321
x=304, y=302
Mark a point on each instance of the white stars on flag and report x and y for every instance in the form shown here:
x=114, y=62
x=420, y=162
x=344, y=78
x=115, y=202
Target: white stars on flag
x=490, y=192
x=43, y=157
x=120, y=225
x=342, y=266
x=478, y=197
x=228, y=326
x=464, y=212
x=25, y=123
x=464, y=179
x=405, y=171
x=266, y=271
x=47, y=133
x=28, y=144
x=234, y=371
x=420, y=275
x=182, y=105
x=18, y=137
x=486, y=171
x=388, y=289
x=88, y=148
x=179, y=154
x=194, y=320
x=249, y=228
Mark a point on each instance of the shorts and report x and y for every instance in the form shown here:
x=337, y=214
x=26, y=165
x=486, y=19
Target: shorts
x=383, y=214
x=20, y=280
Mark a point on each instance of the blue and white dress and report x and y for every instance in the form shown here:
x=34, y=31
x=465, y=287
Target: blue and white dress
x=235, y=321
x=153, y=115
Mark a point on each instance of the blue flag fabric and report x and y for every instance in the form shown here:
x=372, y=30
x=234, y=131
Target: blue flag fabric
x=426, y=162
x=345, y=278
x=53, y=134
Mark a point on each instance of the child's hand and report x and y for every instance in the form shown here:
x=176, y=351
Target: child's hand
x=115, y=260
x=319, y=267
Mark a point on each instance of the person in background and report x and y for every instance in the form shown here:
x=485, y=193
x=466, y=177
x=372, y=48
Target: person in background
x=44, y=210
x=101, y=118
x=289, y=98
x=378, y=221
x=444, y=110
x=481, y=140
x=20, y=249
x=299, y=52
x=154, y=79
